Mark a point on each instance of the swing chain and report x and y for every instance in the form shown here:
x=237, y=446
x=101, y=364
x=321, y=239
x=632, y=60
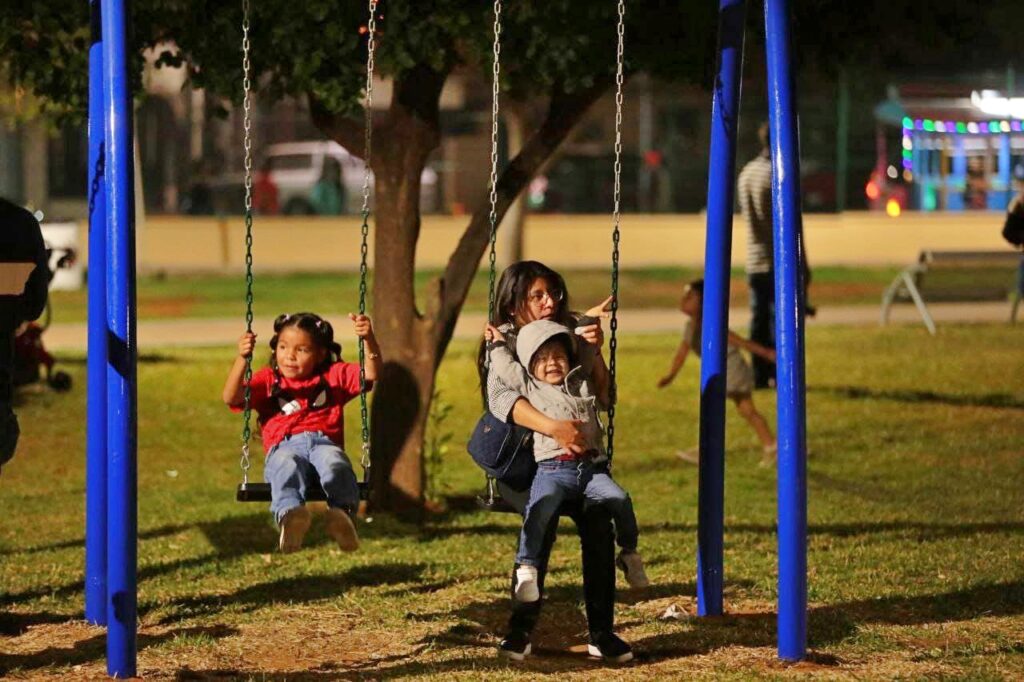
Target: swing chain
x=371, y=27
x=616, y=216
x=493, y=217
x=247, y=125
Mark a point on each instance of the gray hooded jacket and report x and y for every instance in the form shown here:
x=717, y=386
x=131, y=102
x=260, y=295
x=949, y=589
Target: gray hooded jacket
x=575, y=398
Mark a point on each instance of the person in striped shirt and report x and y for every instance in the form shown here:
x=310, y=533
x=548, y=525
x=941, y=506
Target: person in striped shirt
x=754, y=192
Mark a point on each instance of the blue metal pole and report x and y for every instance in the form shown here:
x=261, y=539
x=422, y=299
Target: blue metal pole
x=96, y=430
x=122, y=349
x=1002, y=199
x=789, y=325
x=958, y=178
x=715, y=315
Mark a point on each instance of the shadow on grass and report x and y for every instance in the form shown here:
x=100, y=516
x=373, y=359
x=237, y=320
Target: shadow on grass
x=835, y=622
x=1003, y=400
x=94, y=648
x=13, y=624
x=297, y=590
x=562, y=625
x=150, y=534
x=920, y=531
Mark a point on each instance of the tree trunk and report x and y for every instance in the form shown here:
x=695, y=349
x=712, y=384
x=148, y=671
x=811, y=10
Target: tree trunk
x=511, y=230
x=411, y=341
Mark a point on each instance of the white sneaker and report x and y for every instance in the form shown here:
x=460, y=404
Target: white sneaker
x=632, y=565
x=293, y=528
x=341, y=528
x=527, y=589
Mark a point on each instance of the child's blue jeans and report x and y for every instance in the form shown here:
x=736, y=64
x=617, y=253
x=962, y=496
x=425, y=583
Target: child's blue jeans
x=557, y=481
x=309, y=459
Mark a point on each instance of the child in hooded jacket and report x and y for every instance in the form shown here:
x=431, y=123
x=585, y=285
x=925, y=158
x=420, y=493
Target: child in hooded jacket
x=548, y=374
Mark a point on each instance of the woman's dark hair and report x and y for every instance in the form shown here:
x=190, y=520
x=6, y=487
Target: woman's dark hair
x=510, y=298
x=514, y=287
x=696, y=285
x=319, y=330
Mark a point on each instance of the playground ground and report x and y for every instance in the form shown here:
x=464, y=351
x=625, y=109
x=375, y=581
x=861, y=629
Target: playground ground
x=916, y=491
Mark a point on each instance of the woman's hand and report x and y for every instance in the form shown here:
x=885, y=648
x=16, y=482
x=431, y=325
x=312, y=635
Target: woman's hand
x=492, y=334
x=246, y=345
x=665, y=380
x=602, y=309
x=567, y=434
x=592, y=334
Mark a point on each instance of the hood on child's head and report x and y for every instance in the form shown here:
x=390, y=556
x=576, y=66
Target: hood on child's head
x=532, y=336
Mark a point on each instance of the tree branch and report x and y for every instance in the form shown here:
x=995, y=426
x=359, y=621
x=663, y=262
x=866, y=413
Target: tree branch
x=564, y=112
x=345, y=130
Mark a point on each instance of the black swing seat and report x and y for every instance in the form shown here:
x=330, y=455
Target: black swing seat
x=495, y=504
x=500, y=505
x=260, y=492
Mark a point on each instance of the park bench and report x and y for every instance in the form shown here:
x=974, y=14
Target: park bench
x=959, y=276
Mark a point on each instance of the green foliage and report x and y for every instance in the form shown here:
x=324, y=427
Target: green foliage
x=316, y=46
x=437, y=446
x=319, y=46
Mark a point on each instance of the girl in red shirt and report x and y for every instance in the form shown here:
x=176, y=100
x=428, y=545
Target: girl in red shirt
x=298, y=400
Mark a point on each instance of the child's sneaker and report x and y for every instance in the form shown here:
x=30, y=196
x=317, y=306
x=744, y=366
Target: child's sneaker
x=341, y=528
x=294, y=525
x=609, y=647
x=768, y=454
x=527, y=589
x=515, y=646
x=632, y=566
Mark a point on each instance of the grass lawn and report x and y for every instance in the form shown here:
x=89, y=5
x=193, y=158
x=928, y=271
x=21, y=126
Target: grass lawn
x=916, y=488
x=223, y=296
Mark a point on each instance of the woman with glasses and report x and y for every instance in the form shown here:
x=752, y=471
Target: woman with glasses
x=529, y=291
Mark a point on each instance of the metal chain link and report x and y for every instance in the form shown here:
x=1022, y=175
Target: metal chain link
x=614, y=322
x=365, y=231
x=493, y=217
x=247, y=125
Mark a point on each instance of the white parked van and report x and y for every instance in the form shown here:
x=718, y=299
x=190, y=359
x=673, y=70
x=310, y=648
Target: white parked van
x=297, y=167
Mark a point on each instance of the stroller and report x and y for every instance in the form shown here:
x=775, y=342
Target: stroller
x=32, y=362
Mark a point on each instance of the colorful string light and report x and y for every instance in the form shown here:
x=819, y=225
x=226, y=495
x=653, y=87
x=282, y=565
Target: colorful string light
x=927, y=125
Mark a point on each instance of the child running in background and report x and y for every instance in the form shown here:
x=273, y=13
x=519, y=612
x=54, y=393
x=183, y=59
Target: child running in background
x=739, y=377
x=298, y=400
x=559, y=387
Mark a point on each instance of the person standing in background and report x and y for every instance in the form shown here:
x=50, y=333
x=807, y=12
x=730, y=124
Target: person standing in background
x=264, y=190
x=754, y=192
x=328, y=196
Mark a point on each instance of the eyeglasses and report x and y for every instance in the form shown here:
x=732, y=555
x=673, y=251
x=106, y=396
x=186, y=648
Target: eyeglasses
x=555, y=296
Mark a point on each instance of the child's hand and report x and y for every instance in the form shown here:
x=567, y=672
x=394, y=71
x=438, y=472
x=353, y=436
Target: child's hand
x=362, y=325
x=665, y=381
x=492, y=334
x=246, y=344
x=771, y=355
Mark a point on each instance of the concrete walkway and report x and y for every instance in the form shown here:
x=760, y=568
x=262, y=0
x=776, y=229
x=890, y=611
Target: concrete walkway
x=220, y=332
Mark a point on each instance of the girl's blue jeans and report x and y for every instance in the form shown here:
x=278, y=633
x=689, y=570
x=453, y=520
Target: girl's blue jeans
x=558, y=481
x=308, y=459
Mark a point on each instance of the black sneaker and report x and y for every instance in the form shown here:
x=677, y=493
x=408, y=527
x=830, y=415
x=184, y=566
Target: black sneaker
x=609, y=647
x=515, y=646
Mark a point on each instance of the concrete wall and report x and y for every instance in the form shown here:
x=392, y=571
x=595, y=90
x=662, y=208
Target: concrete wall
x=187, y=244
